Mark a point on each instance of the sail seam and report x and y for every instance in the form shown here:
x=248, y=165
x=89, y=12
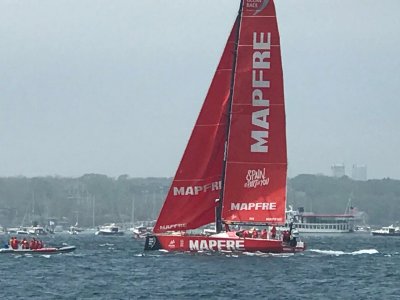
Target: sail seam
x=246, y=162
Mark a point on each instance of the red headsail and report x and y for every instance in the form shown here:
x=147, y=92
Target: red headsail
x=255, y=179
x=190, y=202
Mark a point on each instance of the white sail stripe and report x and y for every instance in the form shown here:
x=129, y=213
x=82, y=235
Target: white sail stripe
x=258, y=16
x=251, y=45
x=197, y=179
x=247, y=104
x=259, y=163
x=208, y=125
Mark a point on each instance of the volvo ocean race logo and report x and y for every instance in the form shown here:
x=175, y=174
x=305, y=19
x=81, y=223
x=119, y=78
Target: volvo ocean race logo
x=256, y=178
x=259, y=5
x=151, y=241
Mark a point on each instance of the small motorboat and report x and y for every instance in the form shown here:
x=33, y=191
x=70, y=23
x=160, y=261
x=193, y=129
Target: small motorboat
x=36, y=230
x=75, y=230
x=140, y=232
x=110, y=229
x=45, y=250
x=387, y=231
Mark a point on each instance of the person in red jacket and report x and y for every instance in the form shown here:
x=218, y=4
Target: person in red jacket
x=32, y=244
x=13, y=243
x=25, y=244
x=273, y=232
x=264, y=233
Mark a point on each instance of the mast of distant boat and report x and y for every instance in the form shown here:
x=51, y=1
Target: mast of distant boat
x=218, y=207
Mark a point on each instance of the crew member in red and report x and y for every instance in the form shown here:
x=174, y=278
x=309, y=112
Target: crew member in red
x=286, y=236
x=254, y=234
x=273, y=232
x=32, y=244
x=15, y=243
x=245, y=233
x=227, y=229
x=25, y=244
x=264, y=233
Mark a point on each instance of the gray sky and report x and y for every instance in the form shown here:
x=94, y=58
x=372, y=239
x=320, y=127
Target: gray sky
x=114, y=87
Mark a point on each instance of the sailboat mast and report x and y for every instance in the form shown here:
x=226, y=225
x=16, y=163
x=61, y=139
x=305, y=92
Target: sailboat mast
x=218, y=208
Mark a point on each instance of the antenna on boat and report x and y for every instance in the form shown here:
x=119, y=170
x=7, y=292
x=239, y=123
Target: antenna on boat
x=218, y=208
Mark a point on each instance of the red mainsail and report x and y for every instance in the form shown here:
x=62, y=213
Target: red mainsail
x=256, y=164
x=190, y=202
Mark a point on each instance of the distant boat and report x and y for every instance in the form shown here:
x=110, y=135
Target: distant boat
x=308, y=222
x=46, y=250
x=387, y=231
x=141, y=232
x=109, y=229
x=36, y=230
x=234, y=169
x=75, y=229
x=17, y=230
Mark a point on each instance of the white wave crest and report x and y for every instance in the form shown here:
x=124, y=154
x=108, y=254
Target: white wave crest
x=337, y=253
x=328, y=252
x=365, y=251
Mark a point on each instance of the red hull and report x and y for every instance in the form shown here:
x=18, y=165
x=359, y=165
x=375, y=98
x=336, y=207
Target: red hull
x=195, y=243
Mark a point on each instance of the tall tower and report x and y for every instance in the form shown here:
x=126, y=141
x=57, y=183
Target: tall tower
x=359, y=172
x=338, y=170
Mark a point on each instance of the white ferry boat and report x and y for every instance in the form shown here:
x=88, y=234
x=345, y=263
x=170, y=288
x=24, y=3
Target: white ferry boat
x=307, y=222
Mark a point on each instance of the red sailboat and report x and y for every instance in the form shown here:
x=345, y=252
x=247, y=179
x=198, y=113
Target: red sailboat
x=233, y=171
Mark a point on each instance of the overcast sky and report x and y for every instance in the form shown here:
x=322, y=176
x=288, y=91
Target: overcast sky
x=114, y=87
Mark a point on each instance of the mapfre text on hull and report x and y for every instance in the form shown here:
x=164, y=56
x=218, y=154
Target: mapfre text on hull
x=226, y=241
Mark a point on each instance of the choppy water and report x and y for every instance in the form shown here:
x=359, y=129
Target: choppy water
x=352, y=266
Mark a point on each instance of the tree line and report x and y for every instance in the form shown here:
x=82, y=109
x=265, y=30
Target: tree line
x=95, y=199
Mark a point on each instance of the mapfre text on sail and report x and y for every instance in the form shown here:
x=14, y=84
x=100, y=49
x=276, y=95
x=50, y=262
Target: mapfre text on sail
x=259, y=118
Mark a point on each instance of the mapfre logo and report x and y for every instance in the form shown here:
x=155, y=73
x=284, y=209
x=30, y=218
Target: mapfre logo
x=256, y=178
x=259, y=5
x=171, y=244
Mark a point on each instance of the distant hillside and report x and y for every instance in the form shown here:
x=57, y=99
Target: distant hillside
x=97, y=199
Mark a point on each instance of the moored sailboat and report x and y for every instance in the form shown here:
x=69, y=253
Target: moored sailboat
x=233, y=171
